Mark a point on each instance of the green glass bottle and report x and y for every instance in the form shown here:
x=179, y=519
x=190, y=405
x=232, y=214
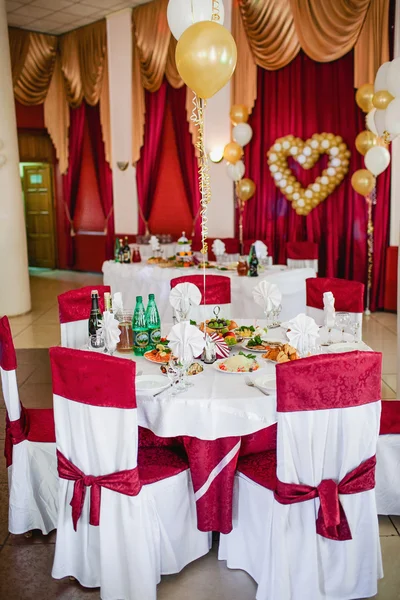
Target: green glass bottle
x=153, y=323
x=253, y=262
x=116, y=250
x=139, y=328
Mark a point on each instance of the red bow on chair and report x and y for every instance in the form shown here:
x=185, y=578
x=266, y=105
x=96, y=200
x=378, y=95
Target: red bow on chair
x=331, y=521
x=123, y=482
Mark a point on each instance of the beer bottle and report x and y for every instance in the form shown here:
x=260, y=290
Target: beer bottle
x=139, y=328
x=127, y=251
x=153, y=323
x=116, y=250
x=121, y=251
x=95, y=318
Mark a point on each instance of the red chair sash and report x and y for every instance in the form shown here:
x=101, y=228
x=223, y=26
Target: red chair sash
x=331, y=521
x=349, y=295
x=302, y=250
x=390, y=417
x=76, y=304
x=217, y=291
x=124, y=482
x=34, y=425
x=8, y=359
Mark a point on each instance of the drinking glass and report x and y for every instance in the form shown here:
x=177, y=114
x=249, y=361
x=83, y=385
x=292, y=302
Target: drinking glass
x=242, y=267
x=173, y=373
x=355, y=328
x=97, y=341
x=276, y=311
x=342, y=321
x=125, y=343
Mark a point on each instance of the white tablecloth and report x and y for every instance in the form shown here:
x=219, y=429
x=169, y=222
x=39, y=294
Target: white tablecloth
x=141, y=279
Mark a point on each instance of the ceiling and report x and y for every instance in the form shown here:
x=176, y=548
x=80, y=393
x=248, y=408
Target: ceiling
x=59, y=16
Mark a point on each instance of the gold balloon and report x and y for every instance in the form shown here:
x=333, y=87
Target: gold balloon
x=206, y=57
x=382, y=99
x=239, y=114
x=364, y=96
x=363, y=182
x=365, y=140
x=233, y=152
x=246, y=188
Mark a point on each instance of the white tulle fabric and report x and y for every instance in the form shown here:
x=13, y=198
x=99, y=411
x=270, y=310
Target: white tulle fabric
x=387, y=475
x=310, y=263
x=318, y=315
x=74, y=334
x=298, y=563
x=139, y=538
x=32, y=477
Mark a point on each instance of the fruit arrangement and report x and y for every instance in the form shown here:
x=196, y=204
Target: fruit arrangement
x=217, y=325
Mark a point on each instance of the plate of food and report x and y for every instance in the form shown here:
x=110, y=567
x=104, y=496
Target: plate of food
x=194, y=369
x=231, y=338
x=281, y=353
x=218, y=325
x=161, y=353
x=257, y=344
x=154, y=384
x=237, y=364
x=246, y=331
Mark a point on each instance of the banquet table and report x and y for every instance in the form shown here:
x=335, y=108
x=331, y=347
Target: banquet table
x=217, y=419
x=141, y=279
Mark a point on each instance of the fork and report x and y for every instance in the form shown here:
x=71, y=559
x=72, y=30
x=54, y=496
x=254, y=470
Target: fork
x=251, y=383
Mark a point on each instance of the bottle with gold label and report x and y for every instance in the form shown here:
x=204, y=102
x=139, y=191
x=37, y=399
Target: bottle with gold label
x=107, y=302
x=127, y=251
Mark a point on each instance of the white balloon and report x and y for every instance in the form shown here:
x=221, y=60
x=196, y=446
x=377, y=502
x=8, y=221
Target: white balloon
x=301, y=159
x=393, y=77
x=242, y=134
x=370, y=120
x=236, y=171
x=278, y=176
x=377, y=159
x=380, y=121
x=392, y=118
x=381, y=77
x=307, y=151
x=181, y=14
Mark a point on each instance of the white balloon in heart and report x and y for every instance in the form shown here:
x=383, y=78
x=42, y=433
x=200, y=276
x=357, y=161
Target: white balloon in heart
x=381, y=77
x=377, y=159
x=370, y=120
x=392, y=118
x=181, y=14
x=236, y=171
x=393, y=77
x=380, y=121
x=242, y=134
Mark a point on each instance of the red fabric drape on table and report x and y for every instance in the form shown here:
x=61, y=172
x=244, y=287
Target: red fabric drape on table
x=187, y=158
x=71, y=178
x=303, y=98
x=148, y=164
x=103, y=173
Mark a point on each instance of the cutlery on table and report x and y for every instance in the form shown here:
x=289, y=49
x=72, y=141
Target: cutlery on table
x=251, y=383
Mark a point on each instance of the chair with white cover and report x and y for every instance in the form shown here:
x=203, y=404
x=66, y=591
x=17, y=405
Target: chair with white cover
x=388, y=460
x=215, y=291
x=349, y=297
x=301, y=255
x=30, y=451
x=74, y=312
x=139, y=519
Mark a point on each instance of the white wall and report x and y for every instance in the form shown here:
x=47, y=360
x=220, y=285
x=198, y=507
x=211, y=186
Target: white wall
x=119, y=46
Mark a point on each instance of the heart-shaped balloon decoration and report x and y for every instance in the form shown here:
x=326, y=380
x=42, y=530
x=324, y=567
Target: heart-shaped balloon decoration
x=307, y=154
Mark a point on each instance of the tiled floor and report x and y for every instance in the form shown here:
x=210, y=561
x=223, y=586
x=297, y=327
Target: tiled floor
x=25, y=564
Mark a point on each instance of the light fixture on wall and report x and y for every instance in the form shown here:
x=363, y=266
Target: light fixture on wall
x=122, y=165
x=216, y=154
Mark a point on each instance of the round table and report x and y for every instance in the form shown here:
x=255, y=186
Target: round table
x=142, y=279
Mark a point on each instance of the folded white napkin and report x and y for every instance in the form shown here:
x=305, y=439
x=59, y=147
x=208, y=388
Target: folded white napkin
x=261, y=250
x=267, y=295
x=110, y=331
x=303, y=333
x=117, y=303
x=329, y=309
x=218, y=247
x=183, y=296
x=154, y=243
x=186, y=341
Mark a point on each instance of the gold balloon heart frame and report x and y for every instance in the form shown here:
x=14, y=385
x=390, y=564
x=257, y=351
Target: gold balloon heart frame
x=307, y=154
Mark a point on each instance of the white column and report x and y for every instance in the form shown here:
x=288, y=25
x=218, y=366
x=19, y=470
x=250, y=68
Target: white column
x=395, y=181
x=15, y=296
x=119, y=47
x=221, y=211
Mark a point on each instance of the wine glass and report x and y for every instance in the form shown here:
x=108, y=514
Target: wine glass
x=355, y=328
x=276, y=312
x=342, y=321
x=173, y=373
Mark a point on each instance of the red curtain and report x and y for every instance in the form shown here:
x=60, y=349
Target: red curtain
x=303, y=98
x=71, y=178
x=103, y=174
x=149, y=162
x=186, y=153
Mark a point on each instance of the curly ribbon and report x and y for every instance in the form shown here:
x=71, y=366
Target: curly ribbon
x=215, y=11
x=370, y=199
x=197, y=117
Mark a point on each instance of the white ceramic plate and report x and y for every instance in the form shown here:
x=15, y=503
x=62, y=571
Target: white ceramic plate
x=346, y=347
x=267, y=383
x=217, y=363
x=151, y=383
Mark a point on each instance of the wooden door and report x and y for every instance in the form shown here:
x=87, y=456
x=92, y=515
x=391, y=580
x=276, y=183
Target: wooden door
x=38, y=192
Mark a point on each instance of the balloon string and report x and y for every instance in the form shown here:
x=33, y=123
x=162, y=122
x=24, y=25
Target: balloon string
x=370, y=243
x=197, y=118
x=215, y=11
